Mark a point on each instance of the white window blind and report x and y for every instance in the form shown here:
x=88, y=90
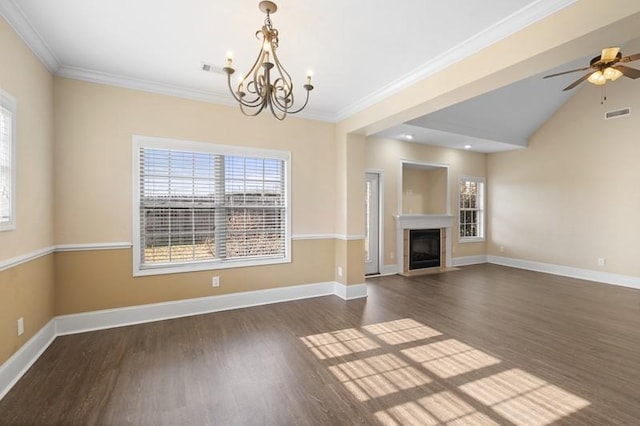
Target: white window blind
x=200, y=206
x=471, y=208
x=7, y=166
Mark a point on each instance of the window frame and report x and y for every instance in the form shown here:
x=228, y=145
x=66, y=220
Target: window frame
x=8, y=102
x=210, y=148
x=481, y=209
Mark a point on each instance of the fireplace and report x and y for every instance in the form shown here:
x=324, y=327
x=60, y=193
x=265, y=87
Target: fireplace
x=424, y=248
x=420, y=222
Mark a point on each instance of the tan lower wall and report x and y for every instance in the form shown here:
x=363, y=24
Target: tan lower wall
x=102, y=279
x=349, y=255
x=26, y=291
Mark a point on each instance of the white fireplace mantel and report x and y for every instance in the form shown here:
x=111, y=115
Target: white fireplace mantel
x=423, y=221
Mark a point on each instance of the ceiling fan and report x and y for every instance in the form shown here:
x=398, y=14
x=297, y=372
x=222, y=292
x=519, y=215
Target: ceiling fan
x=607, y=66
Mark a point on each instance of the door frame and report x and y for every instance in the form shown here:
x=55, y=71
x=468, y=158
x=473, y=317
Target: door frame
x=380, y=247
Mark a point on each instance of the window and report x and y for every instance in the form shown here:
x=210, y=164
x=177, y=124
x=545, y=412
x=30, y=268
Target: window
x=471, y=205
x=7, y=162
x=200, y=206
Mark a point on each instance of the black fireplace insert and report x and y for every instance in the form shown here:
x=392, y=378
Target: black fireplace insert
x=424, y=248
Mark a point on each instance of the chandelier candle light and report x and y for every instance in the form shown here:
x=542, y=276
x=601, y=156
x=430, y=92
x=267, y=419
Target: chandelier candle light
x=267, y=84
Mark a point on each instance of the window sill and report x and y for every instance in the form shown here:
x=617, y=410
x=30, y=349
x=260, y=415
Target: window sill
x=471, y=240
x=204, y=266
x=7, y=226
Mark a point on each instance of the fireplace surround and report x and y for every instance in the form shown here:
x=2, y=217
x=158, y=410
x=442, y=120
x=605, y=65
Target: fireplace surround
x=409, y=222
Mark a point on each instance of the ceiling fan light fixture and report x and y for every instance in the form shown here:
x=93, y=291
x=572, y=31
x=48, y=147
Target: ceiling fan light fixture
x=612, y=74
x=597, y=78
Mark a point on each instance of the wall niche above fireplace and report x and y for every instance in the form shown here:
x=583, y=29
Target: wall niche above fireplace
x=424, y=189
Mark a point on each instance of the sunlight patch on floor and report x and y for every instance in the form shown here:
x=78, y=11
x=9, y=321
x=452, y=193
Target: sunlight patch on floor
x=378, y=376
x=339, y=343
x=427, y=378
x=437, y=409
x=524, y=399
x=449, y=358
x=401, y=331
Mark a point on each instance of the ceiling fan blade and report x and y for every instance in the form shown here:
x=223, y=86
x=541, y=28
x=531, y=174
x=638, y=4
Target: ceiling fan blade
x=630, y=58
x=575, y=83
x=566, y=72
x=627, y=71
x=609, y=54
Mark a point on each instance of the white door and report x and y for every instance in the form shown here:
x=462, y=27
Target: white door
x=372, y=224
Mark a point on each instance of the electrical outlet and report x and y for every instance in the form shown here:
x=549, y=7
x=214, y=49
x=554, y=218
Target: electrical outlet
x=501, y=249
x=20, y=326
x=339, y=271
x=601, y=261
x=392, y=255
x=215, y=281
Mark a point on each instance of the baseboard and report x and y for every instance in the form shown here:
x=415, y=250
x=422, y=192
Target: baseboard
x=349, y=292
x=14, y=368
x=568, y=271
x=468, y=260
x=119, y=317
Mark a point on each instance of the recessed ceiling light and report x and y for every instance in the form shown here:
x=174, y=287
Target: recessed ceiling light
x=408, y=137
x=467, y=147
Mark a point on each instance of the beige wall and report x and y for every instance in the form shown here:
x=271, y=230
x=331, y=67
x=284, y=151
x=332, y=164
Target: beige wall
x=386, y=155
x=424, y=191
x=572, y=196
x=27, y=290
x=94, y=125
x=29, y=82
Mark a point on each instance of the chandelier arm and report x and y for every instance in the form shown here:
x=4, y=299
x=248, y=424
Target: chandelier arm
x=239, y=100
x=275, y=111
x=283, y=72
x=252, y=87
x=306, y=101
x=282, y=107
x=249, y=104
x=269, y=96
x=255, y=71
x=261, y=106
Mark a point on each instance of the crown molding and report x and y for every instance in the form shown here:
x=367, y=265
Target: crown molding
x=109, y=79
x=14, y=16
x=93, y=76
x=502, y=29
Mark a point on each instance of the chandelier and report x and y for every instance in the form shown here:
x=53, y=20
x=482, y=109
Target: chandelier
x=267, y=84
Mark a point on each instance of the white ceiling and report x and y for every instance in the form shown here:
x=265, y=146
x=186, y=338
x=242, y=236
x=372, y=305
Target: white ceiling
x=359, y=50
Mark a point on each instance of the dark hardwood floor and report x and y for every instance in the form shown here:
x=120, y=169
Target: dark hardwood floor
x=483, y=345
